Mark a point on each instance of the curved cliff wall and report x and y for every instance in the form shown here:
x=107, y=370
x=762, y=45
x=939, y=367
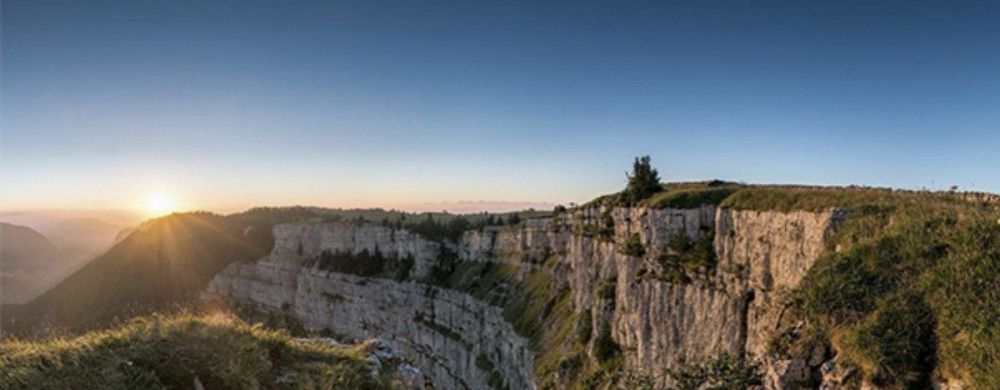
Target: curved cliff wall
x=733, y=308
x=457, y=341
x=730, y=305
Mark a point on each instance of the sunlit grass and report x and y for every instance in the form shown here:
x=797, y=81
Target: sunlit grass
x=159, y=352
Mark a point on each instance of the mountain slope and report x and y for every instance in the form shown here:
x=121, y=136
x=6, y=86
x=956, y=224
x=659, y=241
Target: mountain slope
x=87, y=236
x=21, y=242
x=166, y=261
x=25, y=256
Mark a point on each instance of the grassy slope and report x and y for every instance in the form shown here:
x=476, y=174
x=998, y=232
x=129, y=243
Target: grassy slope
x=907, y=287
x=166, y=262
x=170, y=352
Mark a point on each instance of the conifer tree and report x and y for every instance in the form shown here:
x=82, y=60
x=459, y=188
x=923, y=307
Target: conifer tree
x=642, y=182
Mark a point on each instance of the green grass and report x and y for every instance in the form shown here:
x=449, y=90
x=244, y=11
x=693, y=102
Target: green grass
x=691, y=195
x=161, y=352
x=907, y=284
x=815, y=198
x=676, y=195
x=740, y=196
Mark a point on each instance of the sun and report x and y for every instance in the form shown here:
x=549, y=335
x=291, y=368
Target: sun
x=160, y=203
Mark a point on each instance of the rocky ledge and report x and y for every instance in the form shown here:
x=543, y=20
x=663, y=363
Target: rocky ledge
x=670, y=285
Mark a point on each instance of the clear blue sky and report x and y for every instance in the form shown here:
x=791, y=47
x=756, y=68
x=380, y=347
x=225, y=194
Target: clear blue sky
x=232, y=104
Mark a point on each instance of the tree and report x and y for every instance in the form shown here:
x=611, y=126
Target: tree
x=642, y=182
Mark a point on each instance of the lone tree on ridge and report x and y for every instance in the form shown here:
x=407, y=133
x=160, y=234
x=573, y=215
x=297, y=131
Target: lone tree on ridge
x=642, y=182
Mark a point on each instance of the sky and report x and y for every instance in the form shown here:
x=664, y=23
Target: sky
x=417, y=104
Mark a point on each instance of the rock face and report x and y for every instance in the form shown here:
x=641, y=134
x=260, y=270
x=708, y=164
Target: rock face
x=296, y=241
x=454, y=339
x=729, y=306
x=774, y=250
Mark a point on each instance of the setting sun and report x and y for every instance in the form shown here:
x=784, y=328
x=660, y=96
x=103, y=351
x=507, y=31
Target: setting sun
x=159, y=204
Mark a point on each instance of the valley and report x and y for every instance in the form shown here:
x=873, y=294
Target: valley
x=657, y=293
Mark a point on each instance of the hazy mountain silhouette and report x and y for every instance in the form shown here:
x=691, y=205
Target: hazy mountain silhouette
x=164, y=261
x=33, y=261
x=25, y=257
x=87, y=236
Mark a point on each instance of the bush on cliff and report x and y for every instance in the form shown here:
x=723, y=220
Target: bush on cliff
x=605, y=347
x=364, y=263
x=633, y=246
x=724, y=372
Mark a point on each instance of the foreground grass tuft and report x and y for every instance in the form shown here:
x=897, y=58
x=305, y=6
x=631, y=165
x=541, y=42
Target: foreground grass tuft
x=160, y=352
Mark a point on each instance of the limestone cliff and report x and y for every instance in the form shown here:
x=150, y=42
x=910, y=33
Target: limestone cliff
x=636, y=271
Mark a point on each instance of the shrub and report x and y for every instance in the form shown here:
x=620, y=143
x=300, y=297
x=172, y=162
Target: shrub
x=605, y=347
x=723, y=372
x=684, y=257
x=678, y=243
x=363, y=263
x=673, y=270
x=633, y=246
x=442, y=269
x=584, y=326
x=404, y=267
x=607, y=290
x=701, y=253
x=606, y=230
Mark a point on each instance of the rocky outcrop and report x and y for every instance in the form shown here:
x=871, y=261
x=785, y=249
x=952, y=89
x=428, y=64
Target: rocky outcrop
x=456, y=340
x=772, y=251
x=383, y=361
x=732, y=309
x=729, y=305
x=306, y=240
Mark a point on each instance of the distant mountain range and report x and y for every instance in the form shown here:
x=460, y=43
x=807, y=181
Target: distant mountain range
x=33, y=261
x=24, y=255
x=169, y=260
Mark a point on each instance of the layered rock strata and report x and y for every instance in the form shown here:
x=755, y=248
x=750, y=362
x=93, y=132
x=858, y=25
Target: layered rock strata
x=729, y=306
